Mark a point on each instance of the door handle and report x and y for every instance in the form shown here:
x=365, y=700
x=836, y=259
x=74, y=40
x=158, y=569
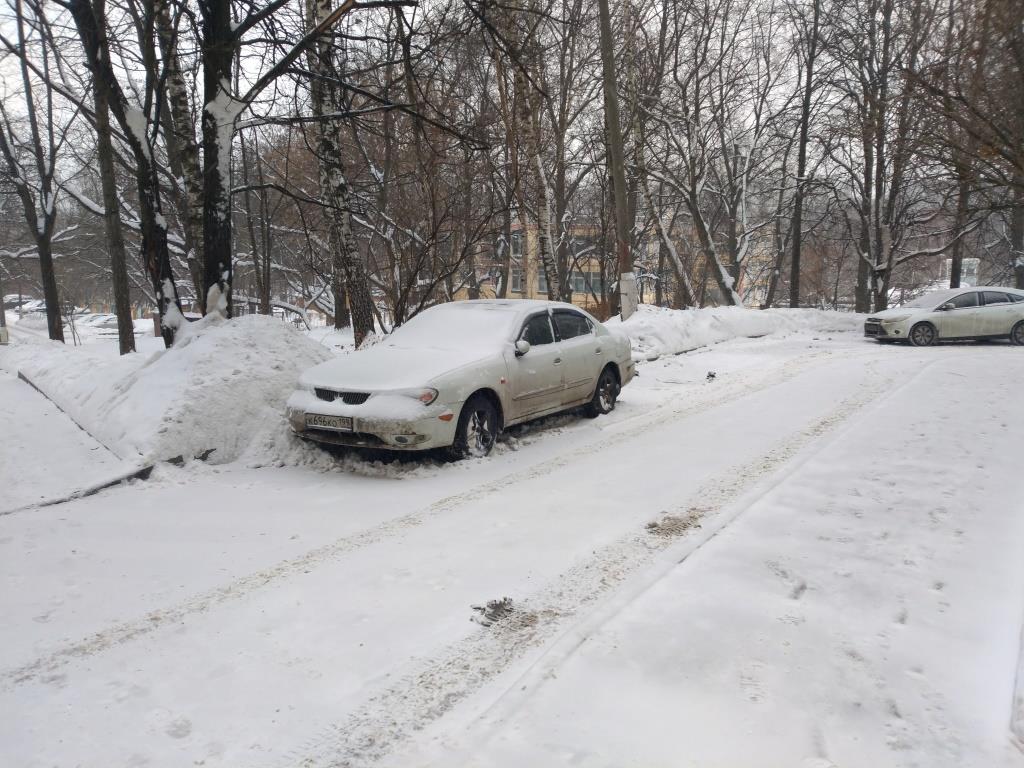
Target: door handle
x=597, y=351
x=558, y=360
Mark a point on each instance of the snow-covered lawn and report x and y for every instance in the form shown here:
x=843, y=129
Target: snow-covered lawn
x=811, y=559
x=45, y=455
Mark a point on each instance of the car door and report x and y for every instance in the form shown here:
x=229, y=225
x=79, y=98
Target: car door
x=962, y=317
x=582, y=357
x=536, y=377
x=996, y=315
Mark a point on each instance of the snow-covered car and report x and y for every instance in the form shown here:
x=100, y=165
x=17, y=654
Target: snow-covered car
x=457, y=374
x=960, y=313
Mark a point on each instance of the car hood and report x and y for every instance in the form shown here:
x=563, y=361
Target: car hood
x=889, y=314
x=385, y=367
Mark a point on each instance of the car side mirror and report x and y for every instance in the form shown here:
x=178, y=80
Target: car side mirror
x=946, y=307
x=522, y=347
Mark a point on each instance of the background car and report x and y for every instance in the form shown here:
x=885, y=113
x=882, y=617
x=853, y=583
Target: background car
x=960, y=313
x=457, y=374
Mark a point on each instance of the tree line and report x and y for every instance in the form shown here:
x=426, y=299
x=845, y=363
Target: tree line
x=372, y=157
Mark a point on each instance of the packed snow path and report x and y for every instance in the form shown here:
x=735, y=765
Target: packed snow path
x=847, y=517
x=45, y=455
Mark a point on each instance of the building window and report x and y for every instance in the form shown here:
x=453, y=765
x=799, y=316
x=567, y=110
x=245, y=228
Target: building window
x=542, y=281
x=517, y=244
x=585, y=282
x=517, y=280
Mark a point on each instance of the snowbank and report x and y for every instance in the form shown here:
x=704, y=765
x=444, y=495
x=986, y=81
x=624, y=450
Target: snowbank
x=218, y=389
x=656, y=331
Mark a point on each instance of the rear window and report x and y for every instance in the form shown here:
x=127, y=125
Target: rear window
x=992, y=297
x=570, y=324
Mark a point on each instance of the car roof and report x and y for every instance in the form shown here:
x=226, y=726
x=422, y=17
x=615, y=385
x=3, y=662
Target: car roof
x=966, y=288
x=509, y=305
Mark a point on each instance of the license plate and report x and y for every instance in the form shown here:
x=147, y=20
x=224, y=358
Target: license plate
x=337, y=423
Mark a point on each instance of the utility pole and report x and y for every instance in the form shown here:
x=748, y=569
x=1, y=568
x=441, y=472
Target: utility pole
x=3, y=312
x=626, y=298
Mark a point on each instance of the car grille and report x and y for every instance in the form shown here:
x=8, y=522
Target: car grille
x=349, y=398
x=873, y=327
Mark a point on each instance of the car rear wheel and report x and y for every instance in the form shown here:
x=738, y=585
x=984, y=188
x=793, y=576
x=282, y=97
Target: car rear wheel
x=923, y=335
x=605, y=394
x=1017, y=334
x=477, y=429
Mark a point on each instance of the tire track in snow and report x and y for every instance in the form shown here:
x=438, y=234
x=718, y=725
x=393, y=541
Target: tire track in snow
x=613, y=434
x=425, y=694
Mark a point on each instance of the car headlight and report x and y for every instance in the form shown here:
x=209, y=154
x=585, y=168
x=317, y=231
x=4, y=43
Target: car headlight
x=425, y=395
x=898, y=319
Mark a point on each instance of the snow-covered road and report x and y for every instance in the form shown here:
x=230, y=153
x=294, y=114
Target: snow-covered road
x=813, y=557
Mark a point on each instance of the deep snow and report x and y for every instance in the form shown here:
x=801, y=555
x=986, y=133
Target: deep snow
x=221, y=386
x=656, y=331
x=818, y=490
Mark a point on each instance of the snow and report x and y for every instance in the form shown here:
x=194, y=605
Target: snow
x=657, y=331
x=44, y=440
x=459, y=326
x=810, y=560
x=835, y=616
x=138, y=125
x=218, y=388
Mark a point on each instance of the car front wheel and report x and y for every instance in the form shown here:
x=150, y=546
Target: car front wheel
x=1017, y=334
x=605, y=394
x=923, y=335
x=477, y=429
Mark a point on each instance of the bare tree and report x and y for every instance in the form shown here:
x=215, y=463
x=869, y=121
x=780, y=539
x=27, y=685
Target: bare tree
x=29, y=145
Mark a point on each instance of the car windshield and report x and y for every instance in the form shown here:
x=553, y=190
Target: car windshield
x=455, y=326
x=931, y=299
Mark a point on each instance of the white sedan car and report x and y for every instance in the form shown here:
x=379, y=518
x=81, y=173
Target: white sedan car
x=457, y=374
x=959, y=313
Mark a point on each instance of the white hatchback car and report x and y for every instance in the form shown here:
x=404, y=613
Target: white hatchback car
x=457, y=374
x=959, y=313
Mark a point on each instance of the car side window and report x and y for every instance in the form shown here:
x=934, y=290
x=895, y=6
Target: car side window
x=991, y=297
x=1015, y=297
x=965, y=300
x=537, y=331
x=570, y=324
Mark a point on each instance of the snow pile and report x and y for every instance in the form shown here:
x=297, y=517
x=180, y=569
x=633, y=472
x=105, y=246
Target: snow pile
x=656, y=331
x=222, y=386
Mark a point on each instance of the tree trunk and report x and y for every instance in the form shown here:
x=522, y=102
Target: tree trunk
x=796, y=233
x=219, y=113
x=54, y=320
x=182, y=151
x=529, y=113
x=111, y=215
x=616, y=155
x=1017, y=236
x=349, y=273
x=963, y=193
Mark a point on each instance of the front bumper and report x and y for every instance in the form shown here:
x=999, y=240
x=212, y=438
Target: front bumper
x=890, y=330
x=434, y=428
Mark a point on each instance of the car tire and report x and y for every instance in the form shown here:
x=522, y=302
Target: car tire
x=477, y=430
x=1017, y=334
x=923, y=335
x=605, y=394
